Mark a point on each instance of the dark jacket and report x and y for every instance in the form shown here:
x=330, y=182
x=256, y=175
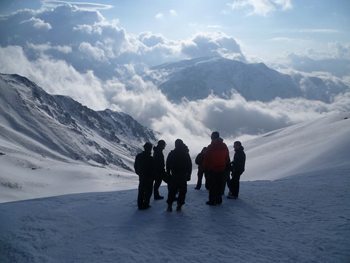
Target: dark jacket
x=179, y=164
x=238, y=163
x=159, y=164
x=144, y=165
x=199, y=160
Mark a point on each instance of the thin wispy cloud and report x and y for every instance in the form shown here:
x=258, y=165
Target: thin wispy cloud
x=82, y=5
x=42, y=48
x=288, y=39
x=173, y=12
x=164, y=15
x=215, y=27
x=319, y=30
x=159, y=16
x=261, y=7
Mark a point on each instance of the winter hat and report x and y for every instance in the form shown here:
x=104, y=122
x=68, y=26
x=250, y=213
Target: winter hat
x=147, y=146
x=161, y=143
x=178, y=143
x=215, y=135
x=237, y=143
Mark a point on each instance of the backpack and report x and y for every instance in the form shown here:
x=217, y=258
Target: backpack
x=199, y=159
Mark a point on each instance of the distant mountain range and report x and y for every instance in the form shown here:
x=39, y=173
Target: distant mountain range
x=61, y=128
x=197, y=78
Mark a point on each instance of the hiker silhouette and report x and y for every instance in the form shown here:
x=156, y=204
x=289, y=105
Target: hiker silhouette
x=159, y=168
x=199, y=161
x=216, y=162
x=237, y=167
x=179, y=168
x=144, y=168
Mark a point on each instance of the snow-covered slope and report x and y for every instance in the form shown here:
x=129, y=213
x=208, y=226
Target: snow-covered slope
x=50, y=144
x=30, y=170
x=302, y=217
x=197, y=78
x=61, y=128
x=306, y=147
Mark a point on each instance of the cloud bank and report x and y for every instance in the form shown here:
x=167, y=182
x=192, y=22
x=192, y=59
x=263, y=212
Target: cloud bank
x=336, y=61
x=192, y=121
x=77, y=52
x=213, y=44
x=100, y=45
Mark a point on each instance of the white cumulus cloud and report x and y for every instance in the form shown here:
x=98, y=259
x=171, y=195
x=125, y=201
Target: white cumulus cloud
x=55, y=76
x=38, y=23
x=97, y=44
x=91, y=51
x=212, y=44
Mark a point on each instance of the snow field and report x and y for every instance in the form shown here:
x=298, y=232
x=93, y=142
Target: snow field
x=304, y=218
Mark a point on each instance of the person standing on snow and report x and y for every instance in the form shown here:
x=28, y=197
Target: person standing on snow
x=159, y=168
x=199, y=161
x=216, y=160
x=144, y=168
x=237, y=168
x=179, y=169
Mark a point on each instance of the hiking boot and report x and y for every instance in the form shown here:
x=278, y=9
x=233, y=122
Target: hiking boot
x=198, y=187
x=170, y=208
x=219, y=202
x=144, y=207
x=230, y=196
x=158, y=197
x=178, y=208
x=210, y=203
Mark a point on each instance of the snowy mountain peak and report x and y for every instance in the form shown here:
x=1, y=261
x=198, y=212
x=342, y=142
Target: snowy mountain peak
x=197, y=78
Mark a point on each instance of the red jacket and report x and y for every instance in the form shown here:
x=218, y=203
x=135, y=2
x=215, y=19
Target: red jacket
x=217, y=157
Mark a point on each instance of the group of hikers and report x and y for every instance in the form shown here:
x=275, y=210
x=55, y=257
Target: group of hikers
x=213, y=164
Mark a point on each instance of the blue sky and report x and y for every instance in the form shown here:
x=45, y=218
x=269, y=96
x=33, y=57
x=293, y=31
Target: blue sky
x=265, y=29
x=306, y=24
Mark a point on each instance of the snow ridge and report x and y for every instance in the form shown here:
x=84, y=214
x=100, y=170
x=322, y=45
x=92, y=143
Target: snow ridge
x=61, y=128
